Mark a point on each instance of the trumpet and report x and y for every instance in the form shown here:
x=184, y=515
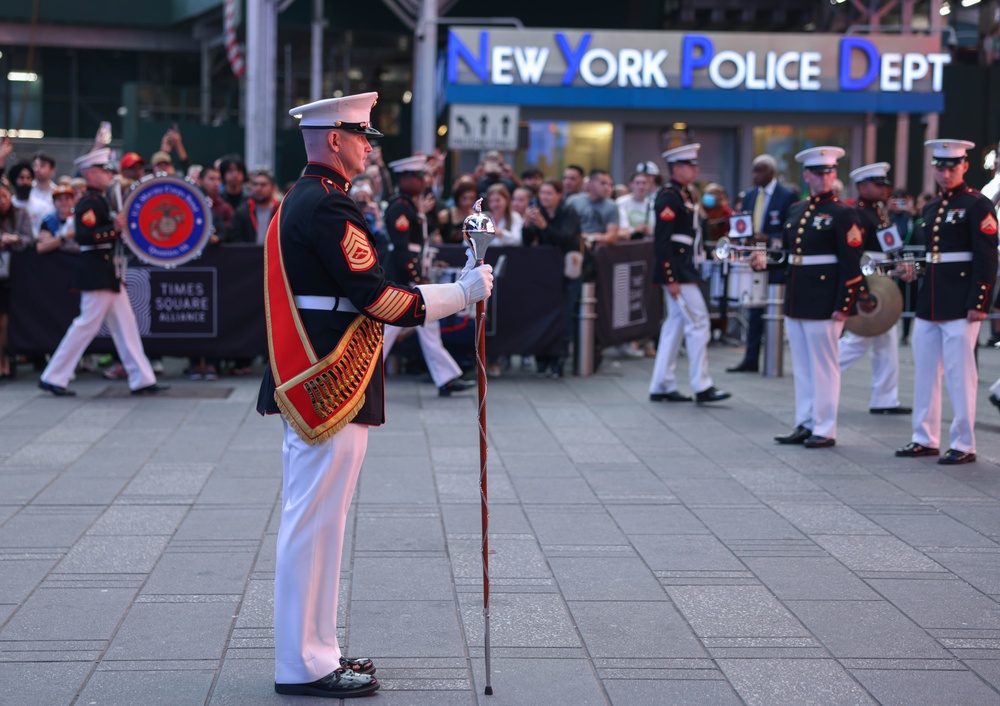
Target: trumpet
x=890, y=268
x=726, y=249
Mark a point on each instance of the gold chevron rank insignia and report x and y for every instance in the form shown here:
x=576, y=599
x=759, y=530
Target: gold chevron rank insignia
x=392, y=304
x=357, y=249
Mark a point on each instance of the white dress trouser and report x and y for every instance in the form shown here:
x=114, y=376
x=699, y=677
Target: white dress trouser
x=440, y=364
x=317, y=488
x=96, y=307
x=691, y=326
x=945, y=347
x=885, y=364
x=816, y=372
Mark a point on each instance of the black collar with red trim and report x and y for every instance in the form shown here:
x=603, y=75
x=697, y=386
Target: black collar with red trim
x=322, y=171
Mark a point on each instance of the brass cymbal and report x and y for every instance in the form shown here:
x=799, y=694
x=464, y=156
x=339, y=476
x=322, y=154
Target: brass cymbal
x=888, y=308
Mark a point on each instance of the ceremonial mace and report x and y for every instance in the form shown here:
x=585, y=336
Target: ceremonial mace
x=478, y=230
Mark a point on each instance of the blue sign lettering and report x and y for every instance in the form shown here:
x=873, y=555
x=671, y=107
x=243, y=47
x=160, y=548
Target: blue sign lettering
x=573, y=57
x=847, y=47
x=690, y=62
x=479, y=65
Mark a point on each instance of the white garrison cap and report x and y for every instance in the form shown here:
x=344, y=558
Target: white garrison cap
x=684, y=153
x=878, y=172
x=350, y=113
x=647, y=168
x=417, y=163
x=820, y=159
x=948, y=153
x=103, y=157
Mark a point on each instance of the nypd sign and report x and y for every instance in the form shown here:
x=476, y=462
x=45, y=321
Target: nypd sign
x=811, y=72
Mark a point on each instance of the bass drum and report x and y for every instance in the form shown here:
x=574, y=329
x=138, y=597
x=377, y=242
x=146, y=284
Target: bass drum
x=168, y=220
x=888, y=308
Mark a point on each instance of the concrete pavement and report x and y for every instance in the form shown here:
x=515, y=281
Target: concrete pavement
x=643, y=553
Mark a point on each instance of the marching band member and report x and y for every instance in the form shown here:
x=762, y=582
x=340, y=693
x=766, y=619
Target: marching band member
x=407, y=229
x=326, y=300
x=953, y=300
x=102, y=293
x=873, y=185
x=679, y=254
x=824, y=241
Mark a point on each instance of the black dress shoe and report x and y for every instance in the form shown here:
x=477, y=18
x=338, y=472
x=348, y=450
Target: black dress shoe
x=953, y=457
x=711, y=395
x=913, y=450
x=151, y=389
x=797, y=436
x=742, y=368
x=672, y=396
x=819, y=442
x=995, y=401
x=55, y=389
x=338, y=684
x=456, y=385
x=890, y=410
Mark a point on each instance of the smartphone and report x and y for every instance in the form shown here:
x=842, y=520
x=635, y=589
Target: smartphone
x=898, y=204
x=533, y=203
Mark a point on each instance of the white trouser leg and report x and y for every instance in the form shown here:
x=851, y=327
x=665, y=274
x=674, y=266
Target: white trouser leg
x=317, y=488
x=962, y=379
x=389, y=336
x=128, y=342
x=822, y=339
x=851, y=348
x=928, y=365
x=440, y=364
x=885, y=369
x=697, y=334
x=802, y=373
x=664, y=365
x=93, y=308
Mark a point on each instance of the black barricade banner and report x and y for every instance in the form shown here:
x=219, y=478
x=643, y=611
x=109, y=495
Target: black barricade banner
x=629, y=306
x=214, y=306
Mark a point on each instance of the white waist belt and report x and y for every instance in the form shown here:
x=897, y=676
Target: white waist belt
x=108, y=246
x=686, y=239
x=812, y=260
x=414, y=247
x=936, y=257
x=309, y=301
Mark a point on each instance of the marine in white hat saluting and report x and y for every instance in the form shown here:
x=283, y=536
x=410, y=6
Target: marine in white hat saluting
x=954, y=297
x=823, y=239
x=327, y=299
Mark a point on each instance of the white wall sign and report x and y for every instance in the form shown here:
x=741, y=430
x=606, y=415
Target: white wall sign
x=483, y=127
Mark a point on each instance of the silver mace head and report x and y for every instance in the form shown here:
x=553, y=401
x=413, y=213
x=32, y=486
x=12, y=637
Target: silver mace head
x=479, y=231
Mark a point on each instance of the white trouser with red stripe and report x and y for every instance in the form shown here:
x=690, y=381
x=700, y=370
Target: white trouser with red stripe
x=948, y=348
x=442, y=366
x=688, y=322
x=318, y=484
x=816, y=370
x=96, y=307
x=885, y=364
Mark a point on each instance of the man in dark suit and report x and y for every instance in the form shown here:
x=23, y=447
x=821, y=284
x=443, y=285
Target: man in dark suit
x=768, y=200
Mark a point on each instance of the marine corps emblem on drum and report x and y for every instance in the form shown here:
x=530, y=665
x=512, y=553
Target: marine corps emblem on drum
x=168, y=221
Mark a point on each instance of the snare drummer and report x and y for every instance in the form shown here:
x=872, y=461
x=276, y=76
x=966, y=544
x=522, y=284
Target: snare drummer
x=953, y=300
x=824, y=242
x=102, y=296
x=873, y=185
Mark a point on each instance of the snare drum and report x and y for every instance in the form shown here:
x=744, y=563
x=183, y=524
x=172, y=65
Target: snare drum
x=746, y=287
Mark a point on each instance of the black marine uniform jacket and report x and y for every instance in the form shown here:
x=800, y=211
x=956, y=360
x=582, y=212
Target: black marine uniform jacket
x=94, y=269
x=329, y=251
x=673, y=236
x=407, y=235
x=960, y=220
x=871, y=221
x=822, y=226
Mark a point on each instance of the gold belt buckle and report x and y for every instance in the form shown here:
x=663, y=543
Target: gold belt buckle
x=935, y=258
x=796, y=259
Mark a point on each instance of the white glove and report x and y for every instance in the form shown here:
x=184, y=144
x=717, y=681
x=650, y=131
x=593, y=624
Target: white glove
x=477, y=283
x=470, y=262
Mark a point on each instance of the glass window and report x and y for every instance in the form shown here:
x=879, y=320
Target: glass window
x=554, y=144
x=783, y=142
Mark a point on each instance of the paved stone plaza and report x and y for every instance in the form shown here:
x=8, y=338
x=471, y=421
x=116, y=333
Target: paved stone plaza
x=643, y=553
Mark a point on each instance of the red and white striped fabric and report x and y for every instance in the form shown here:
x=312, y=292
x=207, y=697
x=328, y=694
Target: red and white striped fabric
x=233, y=52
